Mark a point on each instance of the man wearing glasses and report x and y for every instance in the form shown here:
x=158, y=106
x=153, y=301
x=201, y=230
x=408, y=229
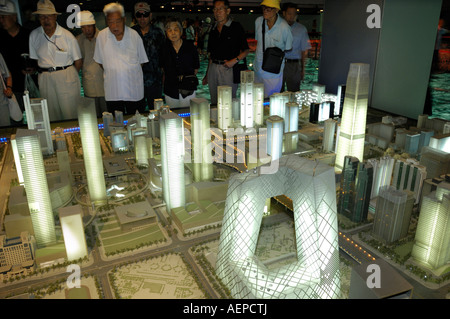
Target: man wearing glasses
x=153, y=39
x=227, y=45
x=277, y=34
x=59, y=59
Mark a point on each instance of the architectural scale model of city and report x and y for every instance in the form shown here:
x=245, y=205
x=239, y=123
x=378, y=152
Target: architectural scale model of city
x=332, y=175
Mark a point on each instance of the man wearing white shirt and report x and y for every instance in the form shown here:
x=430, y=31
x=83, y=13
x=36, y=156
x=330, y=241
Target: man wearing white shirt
x=121, y=53
x=59, y=60
x=277, y=34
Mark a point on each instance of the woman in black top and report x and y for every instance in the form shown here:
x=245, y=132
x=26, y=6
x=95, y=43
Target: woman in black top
x=179, y=60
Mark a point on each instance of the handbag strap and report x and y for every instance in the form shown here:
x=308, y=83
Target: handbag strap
x=264, y=34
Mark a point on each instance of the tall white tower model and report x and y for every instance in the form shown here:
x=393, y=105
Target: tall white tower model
x=73, y=232
x=315, y=273
x=92, y=154
x=247, y=79
x=224, y=107
x=382, y=173
x=35, y=182
x=38, y=119
x=328, y=135
x=141, y=150
x=291, y=117
x=172, y=160
x=258, y=103
x=16, y=159
x=278, y=104
x=201, y=140
x=432, y=241
x=353, y=124
x=275, y=129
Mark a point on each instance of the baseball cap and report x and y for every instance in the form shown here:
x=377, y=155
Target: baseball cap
x=8, y=9
x=271, y=4
x=141, y=6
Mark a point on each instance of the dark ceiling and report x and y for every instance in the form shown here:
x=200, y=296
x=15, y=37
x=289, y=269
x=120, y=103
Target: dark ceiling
x=307, y=6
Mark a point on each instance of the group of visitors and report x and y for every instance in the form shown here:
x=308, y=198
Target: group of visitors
x=127, y=68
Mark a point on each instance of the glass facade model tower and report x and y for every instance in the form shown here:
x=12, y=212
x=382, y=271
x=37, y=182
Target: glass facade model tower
x=432, y=242
x=172, y=160
x=247, y=79
x=328, y=135
x=409, y=175
x=392, y=214
x=315, y=272
x=258, y=103
x=16, y=159
x=92, y=154
x=224, y=107
x=38, y=119
x=201, y=140
x=141, y=150
x=73, y=232
x=347, y=185
x=291, y=117
x=382, y=173
x=35, y=182
x=353, y=124
x=356, y=183
x=278, y=104
x=275, y=129
x=108, y=119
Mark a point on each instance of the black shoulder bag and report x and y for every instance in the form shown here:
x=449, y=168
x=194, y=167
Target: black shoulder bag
x=273, y=57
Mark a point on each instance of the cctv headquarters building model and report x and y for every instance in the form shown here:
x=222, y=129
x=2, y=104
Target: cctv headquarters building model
x=283, y=198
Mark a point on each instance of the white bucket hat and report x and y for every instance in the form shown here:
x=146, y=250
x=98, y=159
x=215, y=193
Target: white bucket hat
x=85, y=18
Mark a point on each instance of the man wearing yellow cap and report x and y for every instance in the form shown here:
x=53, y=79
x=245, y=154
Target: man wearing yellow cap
x=92, y=72
x=277, y=34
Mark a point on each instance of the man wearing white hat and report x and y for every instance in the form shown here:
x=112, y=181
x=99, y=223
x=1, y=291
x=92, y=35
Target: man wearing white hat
x=92, y=71
x=59, y=60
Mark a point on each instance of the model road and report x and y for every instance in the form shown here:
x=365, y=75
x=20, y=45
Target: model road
x=100, y=268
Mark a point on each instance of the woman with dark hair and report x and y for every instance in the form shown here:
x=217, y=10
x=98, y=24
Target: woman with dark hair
x=180, y=64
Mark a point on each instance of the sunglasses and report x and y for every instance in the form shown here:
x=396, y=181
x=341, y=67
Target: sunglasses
x=140, y=15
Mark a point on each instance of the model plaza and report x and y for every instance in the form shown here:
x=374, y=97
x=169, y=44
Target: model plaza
x=242, y=200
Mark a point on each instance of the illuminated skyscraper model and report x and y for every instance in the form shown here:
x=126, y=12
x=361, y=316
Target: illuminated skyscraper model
x=73, y=231
x=92, y=154
x=35, y=182
x=432, y=241
x=315, y=274
x=201, y=140
x=353, y=124
x=37, y=119
x=328, y=135
x=275, y=128
x=224, y=107
x=258, y=103
x=247, y=79
x=172, y=160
